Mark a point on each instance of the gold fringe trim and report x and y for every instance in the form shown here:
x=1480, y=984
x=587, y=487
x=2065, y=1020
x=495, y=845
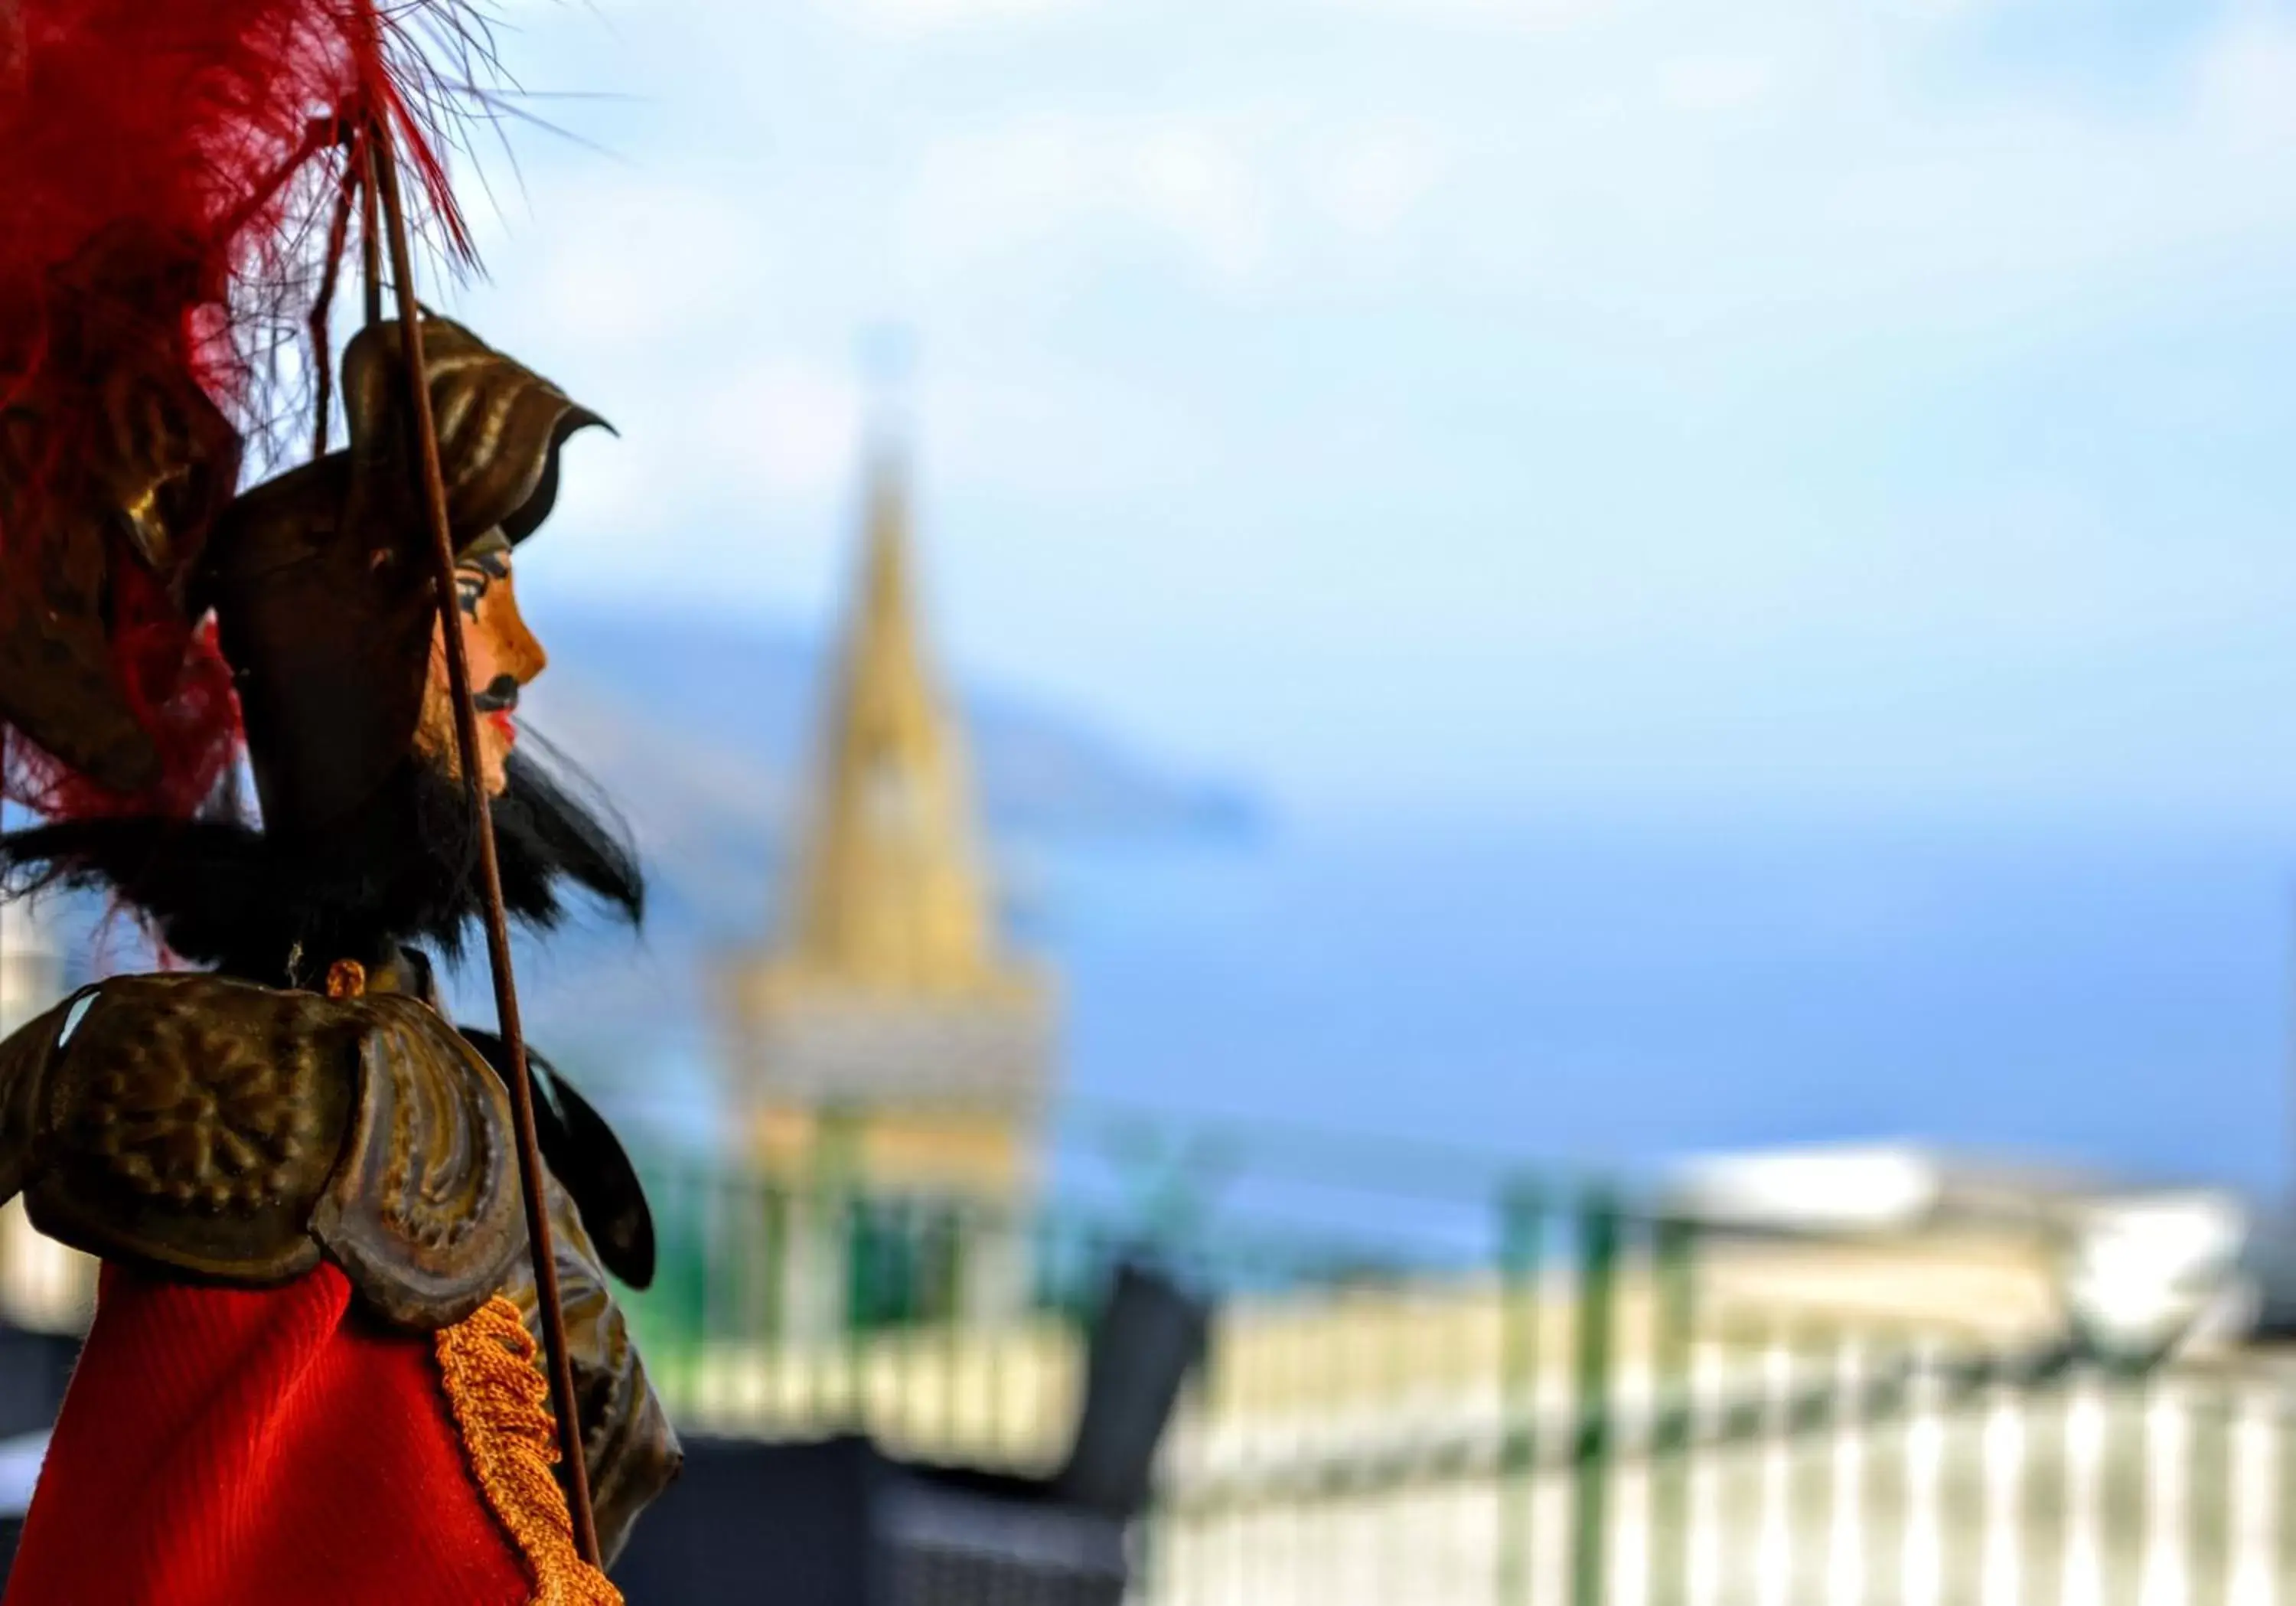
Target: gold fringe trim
x=500, y=1404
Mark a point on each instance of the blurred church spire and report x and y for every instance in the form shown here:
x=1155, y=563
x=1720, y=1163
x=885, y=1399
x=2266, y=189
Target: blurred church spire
x=886, y=1044
x=890, y=895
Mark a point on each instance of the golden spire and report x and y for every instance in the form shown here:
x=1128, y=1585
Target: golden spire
x=887, y=1038
x=890, y=896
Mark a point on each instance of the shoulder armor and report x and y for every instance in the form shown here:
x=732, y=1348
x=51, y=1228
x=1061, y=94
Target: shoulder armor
x=229, y=1131
x=423, y=1214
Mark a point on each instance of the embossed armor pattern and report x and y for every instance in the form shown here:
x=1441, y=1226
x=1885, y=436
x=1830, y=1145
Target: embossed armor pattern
x=425, y=1214
x=225, y=1130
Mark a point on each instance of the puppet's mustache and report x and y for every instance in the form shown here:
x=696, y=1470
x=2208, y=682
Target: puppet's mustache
x=500, y=696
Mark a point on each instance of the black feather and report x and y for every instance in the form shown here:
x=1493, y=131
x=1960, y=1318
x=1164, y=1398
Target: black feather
x=404, y=871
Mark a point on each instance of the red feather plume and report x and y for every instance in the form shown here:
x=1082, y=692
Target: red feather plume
x=228, y=137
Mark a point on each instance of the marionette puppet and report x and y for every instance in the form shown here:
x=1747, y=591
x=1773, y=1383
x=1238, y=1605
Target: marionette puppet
x=314, y=1372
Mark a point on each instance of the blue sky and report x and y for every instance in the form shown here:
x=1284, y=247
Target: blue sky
x=1472, y=408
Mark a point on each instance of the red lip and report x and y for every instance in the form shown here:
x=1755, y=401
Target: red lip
x=503, y=728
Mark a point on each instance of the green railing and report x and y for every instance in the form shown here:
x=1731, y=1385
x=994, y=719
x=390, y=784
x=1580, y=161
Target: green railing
x=1614, y=1404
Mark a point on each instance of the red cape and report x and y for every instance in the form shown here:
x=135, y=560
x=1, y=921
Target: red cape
x=222, y=1446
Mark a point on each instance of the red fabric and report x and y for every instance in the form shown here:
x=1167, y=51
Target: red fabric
x=230, y=1445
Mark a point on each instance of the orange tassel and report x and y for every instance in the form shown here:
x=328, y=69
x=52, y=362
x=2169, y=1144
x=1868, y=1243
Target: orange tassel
x=500, y=1404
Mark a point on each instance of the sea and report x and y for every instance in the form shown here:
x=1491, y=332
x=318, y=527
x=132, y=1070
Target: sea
x=1622, y=997
x=1406, y=1011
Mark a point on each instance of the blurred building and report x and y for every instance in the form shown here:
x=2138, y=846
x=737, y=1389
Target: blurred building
x=43, y=1284
x=886, y=1047
x=1846, y=1374
x=31, y=964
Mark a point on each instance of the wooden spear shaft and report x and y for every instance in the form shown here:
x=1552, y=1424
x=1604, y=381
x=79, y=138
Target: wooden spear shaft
x=466, y=745
x=370, y=227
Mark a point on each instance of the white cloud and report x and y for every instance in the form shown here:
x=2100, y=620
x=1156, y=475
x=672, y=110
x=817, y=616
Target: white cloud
x=979, y=199
x=790, y=427
x=2245, y=80
x=1716, y=83
x=977, y=194
x=625, y=260
x=1198, y=185
x=1376, y=177
x=1536, y=16
x=899, y=18
x=1039, y=427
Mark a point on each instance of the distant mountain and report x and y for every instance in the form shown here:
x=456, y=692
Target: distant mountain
x=700, y=734
x=703, y=734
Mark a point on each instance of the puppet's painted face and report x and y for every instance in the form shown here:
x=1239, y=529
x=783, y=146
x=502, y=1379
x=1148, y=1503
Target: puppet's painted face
x=504, y=657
